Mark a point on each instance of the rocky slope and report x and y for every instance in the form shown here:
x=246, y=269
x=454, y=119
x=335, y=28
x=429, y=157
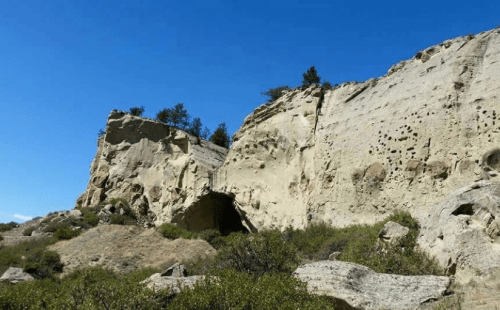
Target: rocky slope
x=358, y=152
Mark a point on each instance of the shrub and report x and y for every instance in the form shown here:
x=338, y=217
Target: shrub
x=7, y=226
x=327, y=85
x=11, y=256
x=65, y=232
x=137, y=111
x=122, y=219
x=172, y=231
x=229, y=289
x=43, y=263
x=1, y=237
x=28, y=231
x=89, y=217
x=275, y=93
x=310, y=77
x=259, y=253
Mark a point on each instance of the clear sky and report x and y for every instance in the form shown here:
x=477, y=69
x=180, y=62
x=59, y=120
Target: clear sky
x=66, y=64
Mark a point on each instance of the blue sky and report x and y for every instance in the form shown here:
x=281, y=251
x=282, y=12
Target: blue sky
x=66, y=64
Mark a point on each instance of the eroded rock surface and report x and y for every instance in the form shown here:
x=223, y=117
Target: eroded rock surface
x=127, y=248
x=174, y=278
x=463, y=231
x=358, y=152
x=160, y=171
x=359, y=287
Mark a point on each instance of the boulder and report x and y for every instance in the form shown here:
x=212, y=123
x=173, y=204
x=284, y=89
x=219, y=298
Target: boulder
x=359, y=287
x=16, y=275
x=462, y=230
x=392, y=231
x=174, y=278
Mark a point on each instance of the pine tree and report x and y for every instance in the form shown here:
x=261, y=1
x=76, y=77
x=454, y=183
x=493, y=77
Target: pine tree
x=310, y=77
x=136, y=111
x=220, y=136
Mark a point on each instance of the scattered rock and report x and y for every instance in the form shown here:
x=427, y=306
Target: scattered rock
x=392, y=231
x=16, y=275
x=359, y=287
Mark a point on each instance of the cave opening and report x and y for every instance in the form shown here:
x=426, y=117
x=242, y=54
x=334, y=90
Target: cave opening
x=214, y=211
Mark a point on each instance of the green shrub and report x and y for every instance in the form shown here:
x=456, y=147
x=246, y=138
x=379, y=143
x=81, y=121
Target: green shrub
x=327, y=85
x=358, y=244
x=91, y=288
x=229, y=289
x=1, y=237
x=124, y=219
x=259, y=253
x=89, y=217
x=43, y=263
x=172, y=231
x=310, y=77
x=65, y=232
x=7, y=226
x=275, y=93
x=28, y=231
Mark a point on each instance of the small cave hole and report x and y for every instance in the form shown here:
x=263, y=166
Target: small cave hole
x=464, y=209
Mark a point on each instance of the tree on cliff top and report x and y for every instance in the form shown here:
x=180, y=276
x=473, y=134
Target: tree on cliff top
x=136, y=111
x=310, y=77
x=275, y=93
x=220, y=136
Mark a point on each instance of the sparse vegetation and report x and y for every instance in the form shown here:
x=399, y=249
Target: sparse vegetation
x=89, y=217
x=275, y=93
x=28, y=231
x=137, y=111
x=7, y=226
x=250, y=271
x=65, y=232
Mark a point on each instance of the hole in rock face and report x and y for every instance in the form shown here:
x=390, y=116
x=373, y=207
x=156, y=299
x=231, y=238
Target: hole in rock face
x=464, y=209
x=492, y=159
x=213, y=211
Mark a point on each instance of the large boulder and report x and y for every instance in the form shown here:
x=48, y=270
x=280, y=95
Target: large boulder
x=359, y=287
x=16, y=275
x=356, y=153
x=463, y=230
x=392, y=231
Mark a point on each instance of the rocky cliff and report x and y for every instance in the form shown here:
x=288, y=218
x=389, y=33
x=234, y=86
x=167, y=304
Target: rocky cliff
x=352, y=154
x=163, y=173
x=357, y=152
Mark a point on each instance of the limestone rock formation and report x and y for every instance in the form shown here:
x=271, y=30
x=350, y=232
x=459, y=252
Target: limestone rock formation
x=463, y=231
x=357, y=152
x=164, y=174
x=359, y=287
x=174, y=278
x=16, y=275
x=392, y=231
x=127, y=248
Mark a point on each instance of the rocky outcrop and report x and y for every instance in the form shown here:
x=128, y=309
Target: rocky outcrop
x=392, y=231
x=163, y=173
x=16, y=275
x=357, y=152
x=463, y=231
x=127, y=248
x=174, y=279
x=358, y=287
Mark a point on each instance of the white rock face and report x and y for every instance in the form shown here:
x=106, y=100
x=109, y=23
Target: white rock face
x=158, y=170
x=362, y=288
x=463, y=231
x=392, y=231
x=16, y=275
x=358, y=152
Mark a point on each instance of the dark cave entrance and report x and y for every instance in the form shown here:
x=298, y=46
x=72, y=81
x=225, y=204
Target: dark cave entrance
x=213, y=211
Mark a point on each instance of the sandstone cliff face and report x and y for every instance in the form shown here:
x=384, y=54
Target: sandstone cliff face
x=159, y=170
x=355, y=153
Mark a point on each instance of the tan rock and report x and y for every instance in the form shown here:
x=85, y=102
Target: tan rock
x=358, y=152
